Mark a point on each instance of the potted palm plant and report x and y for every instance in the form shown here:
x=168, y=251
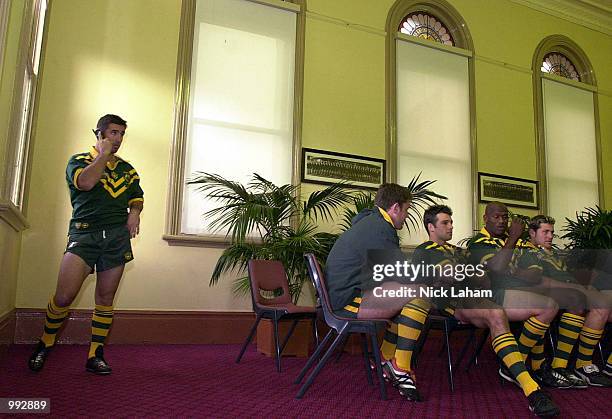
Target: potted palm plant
x=266, y=221
x=589, y=240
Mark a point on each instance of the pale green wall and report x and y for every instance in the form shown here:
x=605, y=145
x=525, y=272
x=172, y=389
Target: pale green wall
x=117, y=56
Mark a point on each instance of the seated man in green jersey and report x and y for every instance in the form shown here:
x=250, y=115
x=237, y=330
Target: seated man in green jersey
x=602, y=281
x=514, y=277
x=584, y=327
x=482, y=312
x=352, y=289
x=107, y=201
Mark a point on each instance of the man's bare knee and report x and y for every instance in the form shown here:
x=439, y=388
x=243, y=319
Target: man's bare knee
x=496, y=319
x=63, y=299
x=549, y=313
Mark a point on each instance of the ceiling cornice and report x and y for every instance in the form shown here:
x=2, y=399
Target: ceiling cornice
x=592, y=14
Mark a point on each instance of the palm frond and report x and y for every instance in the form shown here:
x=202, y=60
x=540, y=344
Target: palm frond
x=422, y=197
x=236, y=258
x=219, y=188
x=360, y=201
x=323, y=204
x=241, y=286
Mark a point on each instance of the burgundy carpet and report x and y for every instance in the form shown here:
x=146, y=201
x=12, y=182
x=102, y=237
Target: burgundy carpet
x=204, y=381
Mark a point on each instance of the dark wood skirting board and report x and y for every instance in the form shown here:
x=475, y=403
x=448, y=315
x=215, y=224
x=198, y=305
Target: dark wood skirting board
x=7, y=328
x=138, y=327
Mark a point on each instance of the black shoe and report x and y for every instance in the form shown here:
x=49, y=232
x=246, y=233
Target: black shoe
x=97, y=364
x=551, y=377
x=541, y=404
x=593, y=377
x=608, y=370
x=505, y=373
x=576, y=381
x=403, y=381
x=38, y=357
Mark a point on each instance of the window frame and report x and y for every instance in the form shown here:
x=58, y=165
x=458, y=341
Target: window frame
x=13, y=199
x=567, y=47
x=176, y=185
x=464, y=46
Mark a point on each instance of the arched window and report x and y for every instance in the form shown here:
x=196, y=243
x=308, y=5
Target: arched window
x=429, y=105
x=559, y=64
x=567, y=128
x=236, y=102
x=426, y=26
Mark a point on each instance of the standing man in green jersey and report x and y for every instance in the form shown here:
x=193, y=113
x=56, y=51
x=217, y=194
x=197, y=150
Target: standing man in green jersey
x=107, y=201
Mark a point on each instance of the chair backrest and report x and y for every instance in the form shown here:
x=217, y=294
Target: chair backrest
x=318, y=281
x=268, y=275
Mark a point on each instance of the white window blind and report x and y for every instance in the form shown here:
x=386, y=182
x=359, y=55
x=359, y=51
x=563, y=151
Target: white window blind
x=433, y=129
x=241, y=99
x=571, y=153
x=35, y=22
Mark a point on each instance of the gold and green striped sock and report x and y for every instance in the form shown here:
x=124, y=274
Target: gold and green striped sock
x=351, y=309
x=389, y=341
x=533, y=330
x=410, y=321
x=53, y=321
x=507, y=350
x=569, y=331
x=537, y=357
x=101, y=321
x=586, y=345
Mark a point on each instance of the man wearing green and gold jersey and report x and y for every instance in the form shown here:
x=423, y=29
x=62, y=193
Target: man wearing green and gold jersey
x=482, y=312
x=582, y=327
x=106, y=204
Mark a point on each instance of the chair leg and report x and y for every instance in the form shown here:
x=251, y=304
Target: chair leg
x=467, y=343
x=420, y=343
x=342, y=346
x=379, y=372
x=320, y=364
x=450, y=331
x=314, y=356
x=366, y=357
x=483, y=340
x=448, y=355
x=315, y=332
x=276, y=345
x=289, y=333
x=553, y=347
x=248, y=339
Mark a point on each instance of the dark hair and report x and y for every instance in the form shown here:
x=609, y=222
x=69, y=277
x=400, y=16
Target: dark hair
x=108, y=119
x=538, y=220
x=431, y=214
x=391, y=193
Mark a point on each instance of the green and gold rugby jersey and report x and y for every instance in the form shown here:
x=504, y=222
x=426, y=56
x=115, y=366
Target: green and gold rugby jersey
x=483, y=247
x=106, y=204
x=553, y=264
x=433, y=253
